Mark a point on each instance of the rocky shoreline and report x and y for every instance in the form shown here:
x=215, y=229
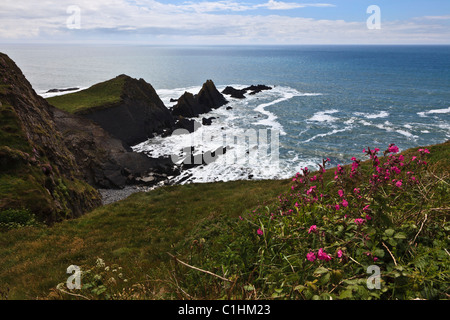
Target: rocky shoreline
x=137, y=116
x=65, y=155
x=188, y=105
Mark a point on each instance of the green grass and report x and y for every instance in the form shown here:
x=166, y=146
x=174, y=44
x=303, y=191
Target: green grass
x=11, y=133
x=98, y=96
x=136, y=233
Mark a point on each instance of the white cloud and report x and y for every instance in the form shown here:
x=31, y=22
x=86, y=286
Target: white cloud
x=226, y=22
x=279, y=5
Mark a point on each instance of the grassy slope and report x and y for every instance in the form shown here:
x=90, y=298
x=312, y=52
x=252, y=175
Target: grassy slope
x=137, y=232
x=97, y=96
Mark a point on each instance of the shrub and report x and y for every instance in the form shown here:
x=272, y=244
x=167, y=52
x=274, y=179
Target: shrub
x=384, y=219
x=16, y=218
x=102, y=282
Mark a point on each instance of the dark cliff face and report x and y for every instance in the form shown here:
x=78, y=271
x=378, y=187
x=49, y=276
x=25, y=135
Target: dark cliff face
x=102, y=159
x=208, y=98
x=40, y=173
x=138, y=115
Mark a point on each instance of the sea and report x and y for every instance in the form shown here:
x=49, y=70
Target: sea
x=326, y=101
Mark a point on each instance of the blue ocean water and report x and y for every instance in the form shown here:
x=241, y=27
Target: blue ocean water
x=327, y=101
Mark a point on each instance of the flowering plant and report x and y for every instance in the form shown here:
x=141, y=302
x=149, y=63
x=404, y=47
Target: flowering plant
x=320, y=238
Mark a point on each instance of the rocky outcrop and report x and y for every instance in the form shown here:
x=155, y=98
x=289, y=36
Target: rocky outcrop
x=234, y=93
x=139, y=115
x=103, y=160
x=240, y=93
x=258, y=88
x=207, y=99
x=61, y=90
x=40, y=173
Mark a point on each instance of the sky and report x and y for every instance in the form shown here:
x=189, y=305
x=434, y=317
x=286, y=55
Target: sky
x=225, y=22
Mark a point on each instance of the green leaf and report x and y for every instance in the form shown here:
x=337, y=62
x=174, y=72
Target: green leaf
x=379, y=253
x=346, y=294
x=400, y=235
x=319, y=271
x=389, y=232
x=336, y=275
x=249, y=287
x=325, y=278
x=299, y=288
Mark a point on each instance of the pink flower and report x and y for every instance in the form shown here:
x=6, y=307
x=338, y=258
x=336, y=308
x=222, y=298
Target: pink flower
x=359, y=221
x=296, y=204
x=368, y=217
x=366, y=208
x=393, y=148
x=396, y=170
x=260, y=232
x=375, y=259
x=313, y=228
x=399, y=183
x=341, y=193
x=344, y=203
x=340, y=253
x=311, y=256
x=322, y=255
x=356, y=190
x=311, y=190
x=337, y=207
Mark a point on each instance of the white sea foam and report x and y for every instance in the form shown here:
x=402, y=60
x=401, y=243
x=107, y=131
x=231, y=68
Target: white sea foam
x=435, y=111
x=327, y=134
x=279, y=94
x=324, y=116
x=389, y=127
x=381, y=114
x=245, y=115
x=44, y=94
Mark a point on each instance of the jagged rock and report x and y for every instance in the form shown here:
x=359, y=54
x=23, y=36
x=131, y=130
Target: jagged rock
x=208, y=98
x=256, y=89
x=207, y=121
x=188, y=106
x=240, y=93
x=235, y=93
x=189, y=124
